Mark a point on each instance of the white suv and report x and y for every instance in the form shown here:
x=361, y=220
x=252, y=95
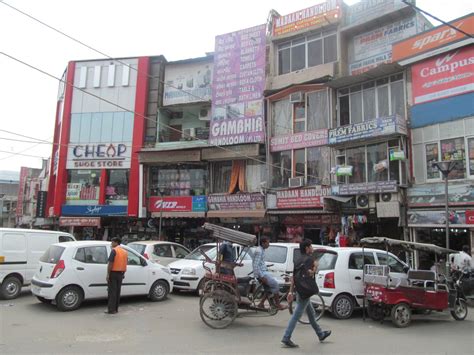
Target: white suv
x=340, y=275
x=74, y=271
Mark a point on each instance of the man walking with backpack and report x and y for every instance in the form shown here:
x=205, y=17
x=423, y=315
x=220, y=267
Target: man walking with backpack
x=303, y=281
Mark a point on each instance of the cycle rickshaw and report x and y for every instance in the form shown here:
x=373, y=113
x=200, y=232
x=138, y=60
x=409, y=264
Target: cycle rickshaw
x=223, y=295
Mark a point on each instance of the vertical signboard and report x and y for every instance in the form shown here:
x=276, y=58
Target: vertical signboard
x=41, y=204
x=21, y=191
x=237, y=87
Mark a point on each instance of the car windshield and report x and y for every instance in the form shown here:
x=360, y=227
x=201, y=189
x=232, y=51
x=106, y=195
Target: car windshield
x=139, y=248
x=197, y=255
x=52, y=254
x=326, y=259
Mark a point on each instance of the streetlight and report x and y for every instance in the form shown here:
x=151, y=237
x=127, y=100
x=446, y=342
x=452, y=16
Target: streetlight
x=445, y=167
x=161, y=190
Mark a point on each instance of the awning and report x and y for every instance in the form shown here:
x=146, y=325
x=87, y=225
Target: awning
x=236, y=213
x=298, y=212
x=178, y=214
x=340, y=198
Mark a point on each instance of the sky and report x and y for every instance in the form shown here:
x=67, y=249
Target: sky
x=177, y=29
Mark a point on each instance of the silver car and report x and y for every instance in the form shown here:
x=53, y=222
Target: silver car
x=159, y=251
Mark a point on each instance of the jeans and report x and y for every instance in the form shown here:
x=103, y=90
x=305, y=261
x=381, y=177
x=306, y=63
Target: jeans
x=272, y=283
x=302, y=305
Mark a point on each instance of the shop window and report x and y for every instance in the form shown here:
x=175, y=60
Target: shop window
x=306, y=52
x=221, y=172
x=470, y=143
x=317, y=165
x=116, y=192
x=178, y=180
x=453, y=149
x=432, y=156
x=299, y=118
x=299, y=162
x=318, y=110
x=282, y=118
x=254, y=176
x=377, y=162
x=355, y=157
x=281, y=168
x=83, y=187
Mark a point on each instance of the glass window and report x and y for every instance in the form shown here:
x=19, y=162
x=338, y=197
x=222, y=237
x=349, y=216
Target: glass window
x=282, y=118
x=470, y=143
x=96, y=127
x=326, y=260
x=341, y=161
x=318, y=111
x=431, y=157
x=355, y=157
x=107, y=126
x=80, y=255
x=52, y=254
x=276, y=254
x=139, y=248
x=315, y=53
x=298, y=57
x=369, y=104
x=65, y=238
x=75, y=130
x=281, y=167
x=358, y=260
x=127, y=127
x=397, y=98
x=86, y=121
x=344, y=115
x=330, y=49
x=178, y=180
x=116, y=192
x=317, y=163
x=117, y=127
x=356, y=107
x=163, y=250
x=394, y=264
x=299, y=117
x=284, y=61
x=83, y=187
x=254, y=175
x=180, y=252
x=133, y=259
x=453, y=149
x=377, y=162
x=221, y=173
x=299, y=162
x=382, y=101
x=96, y=255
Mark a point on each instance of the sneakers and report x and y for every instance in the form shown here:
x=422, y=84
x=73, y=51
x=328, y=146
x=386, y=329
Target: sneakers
x=326, y=333
x=289, y=344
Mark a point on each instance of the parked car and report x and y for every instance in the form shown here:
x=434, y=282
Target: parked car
x=20, y=250
x=72, y=272
x=160, y=252
x=340, y=276
x=188, y=273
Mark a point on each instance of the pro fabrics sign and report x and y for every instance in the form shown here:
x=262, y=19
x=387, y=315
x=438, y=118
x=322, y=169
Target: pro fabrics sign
x=98, y=156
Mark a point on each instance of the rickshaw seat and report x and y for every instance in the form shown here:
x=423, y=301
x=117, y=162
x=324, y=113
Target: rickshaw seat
x=244, y=280
x=422, y=278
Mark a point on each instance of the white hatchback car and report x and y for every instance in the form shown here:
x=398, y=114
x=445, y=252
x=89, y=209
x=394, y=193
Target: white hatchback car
x=188, y=273
x=159, y=251
x=75, y=271
x=340, y=275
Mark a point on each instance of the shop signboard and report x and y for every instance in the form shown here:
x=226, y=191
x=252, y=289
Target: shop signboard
x=241, y=201
x=302, y=198
x=311, y=219
x=432, y=40
x=41, y=204
x=178, y=204
x=438, y=218
x=299, y=140
x=186, y=83
x=93, y=210
x=425, y=195
x=21, y=190
x=73, y=191
x=367, y=10
x=382, y=126
x=79, y=222
x=377, y=187
x=445, y=75
x=370, y=49
x=319, y=15
x=237, y=87
x=470, y=217
x=98, y=156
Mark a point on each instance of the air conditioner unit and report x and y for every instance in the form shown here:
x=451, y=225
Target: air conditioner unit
x=297, y=97
x=296, y=182
x=389, y=197
x=366, y=201
x=189, y=133
x=204, y=115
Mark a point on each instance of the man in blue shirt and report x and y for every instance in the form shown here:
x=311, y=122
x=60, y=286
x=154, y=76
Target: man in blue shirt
x=261, y=273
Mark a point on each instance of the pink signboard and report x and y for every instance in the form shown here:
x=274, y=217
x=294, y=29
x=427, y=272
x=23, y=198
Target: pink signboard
x=443, y=76
x=299, y=140
x=21, y=190
x=237, y=87
x=302, y=198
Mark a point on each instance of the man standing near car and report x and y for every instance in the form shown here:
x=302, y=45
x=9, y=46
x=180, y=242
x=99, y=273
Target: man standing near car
x=115, y=273
x=309, y=265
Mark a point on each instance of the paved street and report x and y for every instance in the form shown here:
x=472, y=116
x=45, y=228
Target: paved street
x=174, y=326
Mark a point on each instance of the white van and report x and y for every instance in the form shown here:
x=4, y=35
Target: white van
x=20, y=250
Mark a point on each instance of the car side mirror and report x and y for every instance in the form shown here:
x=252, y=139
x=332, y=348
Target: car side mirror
x=143, y=262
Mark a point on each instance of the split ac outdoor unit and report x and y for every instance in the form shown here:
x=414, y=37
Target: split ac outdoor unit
x=389, y=197
x=296, y=181
x=189, y=133
x=366, y=201
x=297, y=97
x=204, y=115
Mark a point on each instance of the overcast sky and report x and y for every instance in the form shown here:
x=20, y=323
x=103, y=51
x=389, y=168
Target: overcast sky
x=176, y=29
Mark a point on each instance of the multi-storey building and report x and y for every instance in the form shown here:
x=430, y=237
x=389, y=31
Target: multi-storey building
x=9, y=181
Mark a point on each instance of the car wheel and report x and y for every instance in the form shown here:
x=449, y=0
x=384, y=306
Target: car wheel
x=159, y=291
x=43, y=300
x=69, y=299
x=401, y=315
x=343, y=306
x=11, y=288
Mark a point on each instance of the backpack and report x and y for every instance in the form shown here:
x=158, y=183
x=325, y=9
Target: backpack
x=305, y=285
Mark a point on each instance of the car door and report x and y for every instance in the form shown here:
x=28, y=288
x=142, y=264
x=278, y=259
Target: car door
x=90, y=266
x=357, y=260
x=162, y=253
x=136, y=276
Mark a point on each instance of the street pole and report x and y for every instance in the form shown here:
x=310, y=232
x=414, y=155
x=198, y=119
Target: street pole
x=447, y=210
x=161, y=191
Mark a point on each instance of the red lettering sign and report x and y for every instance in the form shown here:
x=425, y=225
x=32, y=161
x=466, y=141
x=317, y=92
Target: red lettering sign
x=470, y=217
x=171, y=204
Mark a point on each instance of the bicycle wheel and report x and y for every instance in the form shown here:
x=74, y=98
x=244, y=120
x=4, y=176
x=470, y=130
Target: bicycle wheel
x=317, y=303
x=218, y=309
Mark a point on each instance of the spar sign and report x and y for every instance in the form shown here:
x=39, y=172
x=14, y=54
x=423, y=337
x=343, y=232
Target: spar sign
x=445, y=75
